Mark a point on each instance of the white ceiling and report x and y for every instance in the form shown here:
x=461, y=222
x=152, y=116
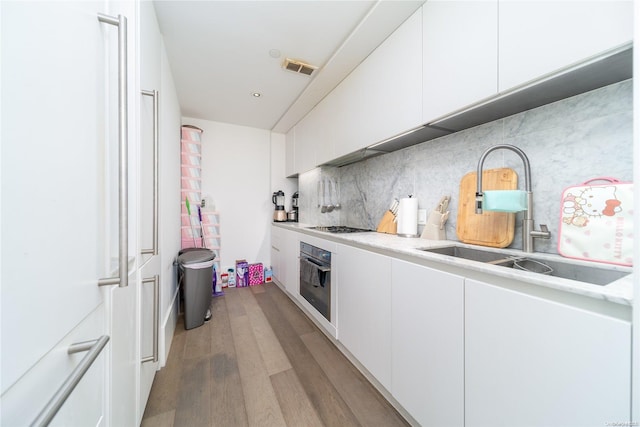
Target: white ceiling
x=220, y=53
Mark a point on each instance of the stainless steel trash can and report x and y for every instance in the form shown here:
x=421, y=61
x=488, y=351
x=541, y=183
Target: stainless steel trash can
x=196, y=278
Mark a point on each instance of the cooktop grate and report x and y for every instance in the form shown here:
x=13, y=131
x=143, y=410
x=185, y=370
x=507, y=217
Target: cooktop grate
x=339, y=229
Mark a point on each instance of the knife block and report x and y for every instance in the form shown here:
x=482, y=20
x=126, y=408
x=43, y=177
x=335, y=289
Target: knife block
x=434, y=229
x=387, y=224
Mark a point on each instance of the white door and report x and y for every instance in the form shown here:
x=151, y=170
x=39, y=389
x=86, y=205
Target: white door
x=149, y=198
x=57, y=228
x=148, y=295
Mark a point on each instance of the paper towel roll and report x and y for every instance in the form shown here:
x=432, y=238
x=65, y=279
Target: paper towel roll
x=408, y=217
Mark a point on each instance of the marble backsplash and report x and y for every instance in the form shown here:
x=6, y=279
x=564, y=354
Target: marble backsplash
x=567, y=142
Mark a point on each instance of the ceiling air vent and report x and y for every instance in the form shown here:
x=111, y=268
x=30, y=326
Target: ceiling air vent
x=298, y=67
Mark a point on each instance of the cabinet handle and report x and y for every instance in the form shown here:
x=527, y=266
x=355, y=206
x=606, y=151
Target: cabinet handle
x=123, y=147
x=318, y=267
x=94, y=348
x=154, y=95
x=156, y=301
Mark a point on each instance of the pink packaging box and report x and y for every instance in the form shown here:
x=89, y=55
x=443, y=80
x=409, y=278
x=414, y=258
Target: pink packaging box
x=190, y=243
x=242, y=273
x=256, y=274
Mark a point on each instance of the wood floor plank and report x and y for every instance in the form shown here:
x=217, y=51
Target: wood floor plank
x=194, y=400
x=234, y=303
x=227, y=398
x=273, y=355
x=166, y=385
x=198, y=342
x=257, y=289
x=225, y=381
x=364, y=400
x=290, y=311
x=260, y=400
x=331, y=408
x=164, y=419
x=296, y=407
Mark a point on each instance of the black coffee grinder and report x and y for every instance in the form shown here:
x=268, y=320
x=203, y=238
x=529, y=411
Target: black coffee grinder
x=293, y=215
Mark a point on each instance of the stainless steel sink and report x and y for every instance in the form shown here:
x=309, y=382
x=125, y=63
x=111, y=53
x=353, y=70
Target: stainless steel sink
x=468, y=253
x=581, y=273
x=565, y=270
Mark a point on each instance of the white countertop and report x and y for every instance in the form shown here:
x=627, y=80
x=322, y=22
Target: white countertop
x=620, y=291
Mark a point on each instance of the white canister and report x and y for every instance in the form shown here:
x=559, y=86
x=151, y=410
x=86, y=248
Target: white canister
x=408, y=217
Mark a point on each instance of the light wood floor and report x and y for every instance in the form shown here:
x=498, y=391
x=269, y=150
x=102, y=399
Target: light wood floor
x=261, y=362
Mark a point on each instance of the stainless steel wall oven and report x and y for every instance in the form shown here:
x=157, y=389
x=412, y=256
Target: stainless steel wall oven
x=315, y=278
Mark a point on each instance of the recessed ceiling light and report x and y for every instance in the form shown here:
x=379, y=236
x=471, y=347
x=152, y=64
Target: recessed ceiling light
x=274, y=53
x=256, y=94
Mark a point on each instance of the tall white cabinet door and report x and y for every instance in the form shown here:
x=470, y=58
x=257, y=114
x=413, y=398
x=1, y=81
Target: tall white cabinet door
x=53, y=200
x=364, y=308
x=427, y=340
x=460, y=54
x=538, y=37
x=530, y=361
x=149, y=199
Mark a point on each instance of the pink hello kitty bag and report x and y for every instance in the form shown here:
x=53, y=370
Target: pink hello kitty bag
x=596, y=222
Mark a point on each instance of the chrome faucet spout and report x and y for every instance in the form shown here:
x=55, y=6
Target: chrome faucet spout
x=528, y=232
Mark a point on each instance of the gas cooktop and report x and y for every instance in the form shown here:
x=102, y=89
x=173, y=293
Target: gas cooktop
x=339, y=229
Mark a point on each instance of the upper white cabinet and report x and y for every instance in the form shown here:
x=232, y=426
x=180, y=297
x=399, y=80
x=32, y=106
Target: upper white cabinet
x=451, y=55
x=427, y=330
x=290, y=153
x=382, y=97
x=364, y=308
x=316, y=132
x=460, y=54
x=538, y=37
x=531, y=361
x=305, y=144
x=475, y=49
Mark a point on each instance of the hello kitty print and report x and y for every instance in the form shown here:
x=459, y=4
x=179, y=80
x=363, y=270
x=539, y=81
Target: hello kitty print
x=597, y=222
x=592, y=202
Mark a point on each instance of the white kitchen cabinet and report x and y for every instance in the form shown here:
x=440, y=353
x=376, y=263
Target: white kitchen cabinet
x=531, y=361
x=538, y=37
x=285, y=249
x=382, y=97
x=290, y=263
x=290, y=153
x=59, y=215
x=427, y=330
x=460, y=54
x=364, y=308
x=276, y=252
x=323, y=133
x=305, y=144
x=379, y=99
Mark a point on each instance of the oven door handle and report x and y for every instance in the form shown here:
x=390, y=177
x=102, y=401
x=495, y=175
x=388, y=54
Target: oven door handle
x=322, y=268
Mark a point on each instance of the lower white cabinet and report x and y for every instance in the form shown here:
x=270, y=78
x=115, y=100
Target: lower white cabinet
x=454, y=351
x=364, y=308
x=427, y=329
x=285, y=248
x=535, y=362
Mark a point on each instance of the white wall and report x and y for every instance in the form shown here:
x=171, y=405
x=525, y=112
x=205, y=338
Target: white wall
x=236, y=180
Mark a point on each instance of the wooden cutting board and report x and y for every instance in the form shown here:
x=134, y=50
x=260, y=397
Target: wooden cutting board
x=493, y=229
